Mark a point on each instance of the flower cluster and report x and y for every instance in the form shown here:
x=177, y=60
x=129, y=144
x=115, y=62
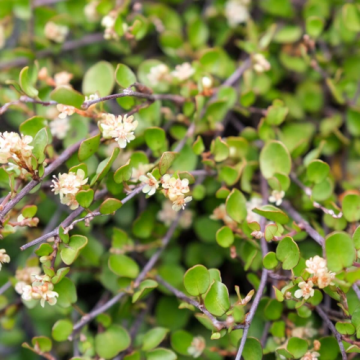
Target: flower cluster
x=260, y=64
x=167, y=215
x=90, y=11
x=237, y=12
x=197, y=347
x=182, y=72
x=65, y=110
x=159, y=73
x=41, y=289
x=56, y=32
x=141, y=170
x=91, y=97
x=24, y=277
x=59, y=127
x=63, y=78
x=310, y=355
x=320, y=276
x=68, y=185
x=276, y=197
x=15, y=147
x=108, y=22
x=4, y=257
x=173, y=188
x=120, y=128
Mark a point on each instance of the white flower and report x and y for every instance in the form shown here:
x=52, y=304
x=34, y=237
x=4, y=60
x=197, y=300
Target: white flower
x=119, y=128
x=68, y=185
x=206, y=82
x=177, y=187
x=260, y=63
x=12, y=145
x=253, y=203
x=2, y=37
x=236, y=12
x=108, y=22
x=63, y=78
x=19, y=287
x=276, y=197
x=41, y=289
x=183, y=72
x=142, y=169
x=315, y=265
x=151, y=184
x=324, y=279
x=59, y=127
x=25, y=275
x=90, y=11
x=92, y=97
x=167, y=215
x=158, y=73
x=306, y=290
x=65, y=110
x=197, y=347
x=310, y=355
x=181, y=202
x=4, y=257
x=56, y=32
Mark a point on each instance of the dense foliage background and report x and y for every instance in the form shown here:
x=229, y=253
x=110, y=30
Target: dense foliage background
x=206, y=194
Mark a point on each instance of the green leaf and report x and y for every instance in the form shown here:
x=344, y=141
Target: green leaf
x=181, y=341
x=314, y=26
x=276, y=113
x=26, y=83
x=197, y=280
x=124, y=76
x=317, y=171
x=273, y=309
x=356, y=238
x=67, y=292
x=288, y=253
x=217, y=299
x=278, y=294
x=355, y=320
x=351, y=17
x=112, y=341
x=340, y=251
x=351, y=207
x=153, y=338
x=123, y=173
x=109, y=206
x=42, y=342
x=270, y=261
x=353, y=121
x=272, y=213
x=220, y=149
x=39, y=143
x=61, y=330
x=29, y=211
x=99, y=79
x=71, y=251
x=166, y=160
x=44, y=250
x=274, y=158
x=60, y=274
x=161, y=354
x=345, y=328
x=252, y=349
x=198, y=146
x=32, y=126
x=155, y=138
x=67, y=96
x=85, y=197
x=105, y=166
x=198, y=33
x=124, y=266
x=297, y=347
x=225, y=237
x=89, y=147
x=144, y=288
x=236, y=206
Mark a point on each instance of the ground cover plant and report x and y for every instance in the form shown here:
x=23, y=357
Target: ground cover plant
x=179, y=179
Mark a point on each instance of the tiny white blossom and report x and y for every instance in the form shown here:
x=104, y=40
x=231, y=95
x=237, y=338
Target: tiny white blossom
x=14, y=146
x=142, y=169
x=260, y=63
x=63, y=78
x=277, y=197
x=59, y=127
x=56, y=32
x=92, y=97
x=236, y=12
x=325, y=279
x=4, y=257
x=151, y=184
x=206, y=82
x=315, y=265
x=90, y=11
x=197, y=347
x=183, y=72
x=181, y=202
x=65, y=110
x=108, y=22
x=158, y=73
x=253, y=203
x=306, y=290
x=167, y=215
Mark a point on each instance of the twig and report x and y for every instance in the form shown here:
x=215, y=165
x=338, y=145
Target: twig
x=357, y=290
x=180, y=295
x=5, y=287
x=149, y=265
x=264, y=275
x=331, y=326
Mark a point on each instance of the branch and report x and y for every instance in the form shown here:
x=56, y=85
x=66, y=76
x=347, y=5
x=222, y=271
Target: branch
x=357, y=290
x=331, y=326
x=149, y=265
x=180, y=295
x=264, y=275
